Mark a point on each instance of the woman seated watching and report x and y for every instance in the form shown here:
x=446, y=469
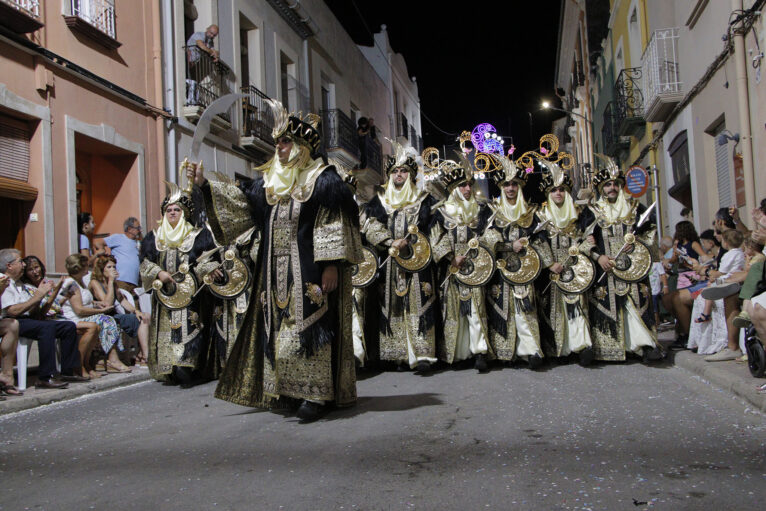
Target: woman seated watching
x=87, y=332
x=134, y=322
x=9, y=332
x=80, y=306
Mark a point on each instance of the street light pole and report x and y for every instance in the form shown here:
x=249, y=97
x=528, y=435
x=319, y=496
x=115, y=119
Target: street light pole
x=531, y=133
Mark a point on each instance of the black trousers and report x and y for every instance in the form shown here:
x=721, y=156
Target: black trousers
x=46, y=333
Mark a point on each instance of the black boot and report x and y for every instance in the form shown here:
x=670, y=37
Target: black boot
x=184, y=377
x=586, y=357
x=480, y=363
x=423, y=367
x=535, y=361
x=310, y=411
x=652, y=354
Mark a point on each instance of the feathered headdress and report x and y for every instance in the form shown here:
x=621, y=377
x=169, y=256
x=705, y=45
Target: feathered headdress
x=507, y=170
x=402, y=157
x=177, y=196
x=606, y=170
x=303, y=129
x=553, y=177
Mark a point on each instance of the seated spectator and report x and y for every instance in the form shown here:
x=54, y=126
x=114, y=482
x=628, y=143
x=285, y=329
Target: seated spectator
x=23, y=302
x=80, y=306
x=659, y=284
x=733, y=261
x=124, y=247
x=87, y=332
x=103, y=287
x=9, y=332
x=721, y=334
x=688, y=251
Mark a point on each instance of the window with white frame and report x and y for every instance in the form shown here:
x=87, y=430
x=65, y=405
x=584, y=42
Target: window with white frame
x=97, y=13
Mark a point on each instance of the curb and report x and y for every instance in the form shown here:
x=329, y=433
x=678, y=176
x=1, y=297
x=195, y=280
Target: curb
x=729, y=376
x=33, y=397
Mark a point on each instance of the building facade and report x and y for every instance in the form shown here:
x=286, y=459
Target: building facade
x=80, y=126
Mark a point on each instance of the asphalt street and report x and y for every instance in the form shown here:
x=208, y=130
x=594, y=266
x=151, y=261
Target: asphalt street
x=619, y=436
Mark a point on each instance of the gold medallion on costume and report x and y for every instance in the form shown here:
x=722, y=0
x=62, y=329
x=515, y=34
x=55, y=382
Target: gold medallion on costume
x=578, y=276
x=520, y=268
x=633, y=265
x=478, y=266
x=364, y=273
x=179, y=293
x=416, y=255
x=236, y=277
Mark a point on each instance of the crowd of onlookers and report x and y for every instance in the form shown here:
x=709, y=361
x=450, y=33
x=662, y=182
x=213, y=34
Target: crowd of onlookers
x=711, y=285
x=90, y=312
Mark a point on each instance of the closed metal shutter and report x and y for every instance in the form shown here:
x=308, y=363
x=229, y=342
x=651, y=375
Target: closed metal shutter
x=14, y=148
x=722, y=172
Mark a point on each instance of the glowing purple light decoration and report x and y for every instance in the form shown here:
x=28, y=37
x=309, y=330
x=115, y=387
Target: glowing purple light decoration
x=483, y=141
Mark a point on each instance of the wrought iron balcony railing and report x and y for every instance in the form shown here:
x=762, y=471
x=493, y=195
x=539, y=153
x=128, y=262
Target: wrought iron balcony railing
x=662, y=84
x=610, y=136
x=402, y=129
x=28, y=7
x=629, y=100
x=257, y=118
x=339, y=132
x=374, y=154
x=206, y=79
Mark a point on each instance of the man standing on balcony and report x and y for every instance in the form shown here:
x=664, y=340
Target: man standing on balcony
x=197, y=44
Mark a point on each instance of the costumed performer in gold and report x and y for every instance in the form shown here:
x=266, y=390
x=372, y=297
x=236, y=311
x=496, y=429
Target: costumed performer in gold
x=179, y=336
x=621, y=314
x=407, y=299
x=295, y=347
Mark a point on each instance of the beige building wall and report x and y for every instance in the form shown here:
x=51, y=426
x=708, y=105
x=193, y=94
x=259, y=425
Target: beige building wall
x=110, y=135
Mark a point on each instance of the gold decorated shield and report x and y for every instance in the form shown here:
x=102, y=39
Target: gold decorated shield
x=478, y=267
x=520, y=268
x=364, y=273
x=179, y=293
x=633, y=265
x=578, y=275
x=237, y=277
x=416, y=255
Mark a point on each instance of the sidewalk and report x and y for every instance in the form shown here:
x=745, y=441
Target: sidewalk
x=730, y=376
x=33, y=397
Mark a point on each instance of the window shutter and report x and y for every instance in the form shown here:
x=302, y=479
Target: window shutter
x=14, y=149
x=723, y=174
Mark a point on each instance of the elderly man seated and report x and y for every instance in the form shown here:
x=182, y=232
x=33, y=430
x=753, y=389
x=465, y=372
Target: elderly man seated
x=25, y=302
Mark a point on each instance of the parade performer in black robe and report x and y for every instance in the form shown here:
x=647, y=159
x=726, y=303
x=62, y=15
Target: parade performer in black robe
x=621, y=315
x=179, y=347
x=407, y=300
x=295, y=345
x=461, y=219
x=564, y=316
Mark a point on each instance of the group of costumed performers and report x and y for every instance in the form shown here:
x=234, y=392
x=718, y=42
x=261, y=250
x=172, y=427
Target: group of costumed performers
x=292, y=282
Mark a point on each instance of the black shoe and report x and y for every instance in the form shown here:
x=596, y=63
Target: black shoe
x=183, y=375
x=652, y=354
x=586, y=357
x=535, y=361
x=401, y=367
x=680, y=343
x=423, y=367
x=73, y=378
x=310, y=411
x=480, y=363
x=48, y=384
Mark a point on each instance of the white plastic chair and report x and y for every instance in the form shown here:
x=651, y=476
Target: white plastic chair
x=22, y=358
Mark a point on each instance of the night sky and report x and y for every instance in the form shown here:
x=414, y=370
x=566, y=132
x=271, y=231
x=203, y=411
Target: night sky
x=485, y=62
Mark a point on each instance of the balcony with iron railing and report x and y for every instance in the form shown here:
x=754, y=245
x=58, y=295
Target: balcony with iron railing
x=257, y=121
x=402, y=129
x=207, y=79
x=96, y=19
x=662, y=85
x=613, y=142
x=21, y=16
x=629, y=101
x=341, y=142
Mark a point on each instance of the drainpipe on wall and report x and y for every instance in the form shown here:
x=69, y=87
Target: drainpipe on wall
x=746, y=140
x=168, y=66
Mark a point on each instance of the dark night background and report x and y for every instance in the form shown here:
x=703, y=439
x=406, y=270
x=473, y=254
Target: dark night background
x=477, y=62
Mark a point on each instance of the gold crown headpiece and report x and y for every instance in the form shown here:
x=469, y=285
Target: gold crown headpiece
x=400, y=158
x=177, y=196
x=606, y=170
x=304, y=129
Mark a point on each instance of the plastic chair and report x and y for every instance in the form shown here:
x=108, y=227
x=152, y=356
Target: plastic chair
x=22, y=359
